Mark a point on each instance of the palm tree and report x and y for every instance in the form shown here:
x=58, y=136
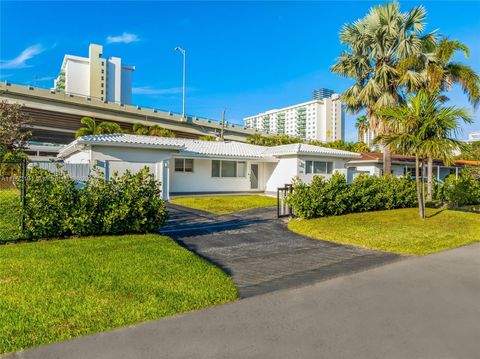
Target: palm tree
x=376, y=44
x=91, y=128
x=362, y=127
x=108, y=127
x=437, y=72
x=423, y=128
x=154, y=130
x=140, y=129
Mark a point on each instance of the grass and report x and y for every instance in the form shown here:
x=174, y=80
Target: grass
x=225, y=204
x=397, y=231
x=60, y=289
x=9, y=214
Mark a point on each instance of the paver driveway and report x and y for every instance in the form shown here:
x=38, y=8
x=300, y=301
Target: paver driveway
x=259, y=251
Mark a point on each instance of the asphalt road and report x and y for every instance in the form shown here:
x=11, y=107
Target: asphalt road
x=424, y=307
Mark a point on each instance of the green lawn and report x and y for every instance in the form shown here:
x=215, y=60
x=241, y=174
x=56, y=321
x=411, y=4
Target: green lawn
x=397, y=231
x=59, y=289
x=225, y=204
x=9, y=214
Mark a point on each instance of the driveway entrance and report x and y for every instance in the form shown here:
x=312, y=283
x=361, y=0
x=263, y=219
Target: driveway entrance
x=259, y=251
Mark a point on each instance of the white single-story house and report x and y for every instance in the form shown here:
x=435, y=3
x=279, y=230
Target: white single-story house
x=196, y=166
x=372, y=164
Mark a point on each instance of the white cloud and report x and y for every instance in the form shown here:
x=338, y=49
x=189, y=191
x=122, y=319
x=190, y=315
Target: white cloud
x=125, y=38
x=44, y=78
x=147, y=90
x=20, y=61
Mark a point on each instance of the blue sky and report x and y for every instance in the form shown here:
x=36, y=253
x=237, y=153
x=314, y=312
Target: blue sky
x=243, y=57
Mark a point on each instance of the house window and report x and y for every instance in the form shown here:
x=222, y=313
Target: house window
x=183, y=165
x=229, y=168
x=318, y=167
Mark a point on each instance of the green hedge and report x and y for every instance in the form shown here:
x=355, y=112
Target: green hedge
x=461, y=191
x=366, y=193
x=57, y=207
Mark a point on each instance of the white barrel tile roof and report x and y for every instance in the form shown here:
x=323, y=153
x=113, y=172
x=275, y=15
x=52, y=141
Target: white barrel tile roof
x=210, y=148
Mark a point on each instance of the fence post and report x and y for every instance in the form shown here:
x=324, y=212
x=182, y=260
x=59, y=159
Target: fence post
x=23, y=171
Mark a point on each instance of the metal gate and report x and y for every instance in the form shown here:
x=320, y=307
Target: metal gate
x=283, y=209
x=12, y=199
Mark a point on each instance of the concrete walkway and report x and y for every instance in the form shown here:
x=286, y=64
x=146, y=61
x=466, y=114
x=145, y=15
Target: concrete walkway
x=261, y=254
x=424, y=307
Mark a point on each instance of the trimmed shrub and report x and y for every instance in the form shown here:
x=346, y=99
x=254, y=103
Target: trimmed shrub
x=335, y=197
x=57, y=207
x=460, y=192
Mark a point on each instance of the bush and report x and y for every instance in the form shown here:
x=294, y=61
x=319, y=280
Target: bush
x=462, y=191
x=335, y=197
x=57, y=207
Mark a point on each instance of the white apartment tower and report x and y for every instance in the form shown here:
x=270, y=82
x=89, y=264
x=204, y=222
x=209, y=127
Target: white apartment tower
x=321, y=120
x=96, y=77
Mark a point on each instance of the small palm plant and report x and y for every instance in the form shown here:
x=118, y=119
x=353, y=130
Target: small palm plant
x=424, y=128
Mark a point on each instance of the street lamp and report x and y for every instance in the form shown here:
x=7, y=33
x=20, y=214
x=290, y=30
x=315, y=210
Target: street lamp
x=184, y=53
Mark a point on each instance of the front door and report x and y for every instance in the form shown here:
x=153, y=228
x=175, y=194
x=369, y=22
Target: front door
x=254, y=176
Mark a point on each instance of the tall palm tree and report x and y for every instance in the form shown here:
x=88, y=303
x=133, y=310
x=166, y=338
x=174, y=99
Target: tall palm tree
x=362, y=127
x=423, y=128
x=376, y=44
x=437, y=72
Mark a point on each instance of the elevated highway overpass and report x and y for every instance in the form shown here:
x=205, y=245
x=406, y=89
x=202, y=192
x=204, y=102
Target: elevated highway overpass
x=56, y=116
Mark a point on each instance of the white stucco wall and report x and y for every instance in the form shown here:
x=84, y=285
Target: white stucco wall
x=83, y=156
x=201, y=180
x=284, y=172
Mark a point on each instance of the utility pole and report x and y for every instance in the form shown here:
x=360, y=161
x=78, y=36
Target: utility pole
x=223, y=126
x=184, y=53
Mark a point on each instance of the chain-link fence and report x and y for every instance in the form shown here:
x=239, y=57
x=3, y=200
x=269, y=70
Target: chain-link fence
x=12, y=196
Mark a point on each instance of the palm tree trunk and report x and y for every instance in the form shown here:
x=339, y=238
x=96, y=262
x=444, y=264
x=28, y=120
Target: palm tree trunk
x=419, y=183
x=387, y=160
x=430, y=179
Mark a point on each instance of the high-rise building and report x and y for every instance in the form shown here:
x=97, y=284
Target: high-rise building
x=96, y=77
x=474, y=136
x=321, y=93
x=321, y=120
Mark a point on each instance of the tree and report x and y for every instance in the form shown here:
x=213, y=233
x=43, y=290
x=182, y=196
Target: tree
x=437, y=72
x=14, y=132
x=91, y=128
x=423, y=128
x=376, y=44
x=362, y=127
x=154, y=130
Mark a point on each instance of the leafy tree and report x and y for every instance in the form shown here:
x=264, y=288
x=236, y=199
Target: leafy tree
x=91, y=128
x=423, y=128
x=376, y=44
x=14, y=131
x=362, y=127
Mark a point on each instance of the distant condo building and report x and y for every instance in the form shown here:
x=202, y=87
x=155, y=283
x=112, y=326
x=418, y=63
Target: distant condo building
x=474, y=136
x=321, y=120
x=96, y=77
x=368, y=137
x=321, y=93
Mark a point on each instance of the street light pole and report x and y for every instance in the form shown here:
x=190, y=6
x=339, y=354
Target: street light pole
x=184, y=53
